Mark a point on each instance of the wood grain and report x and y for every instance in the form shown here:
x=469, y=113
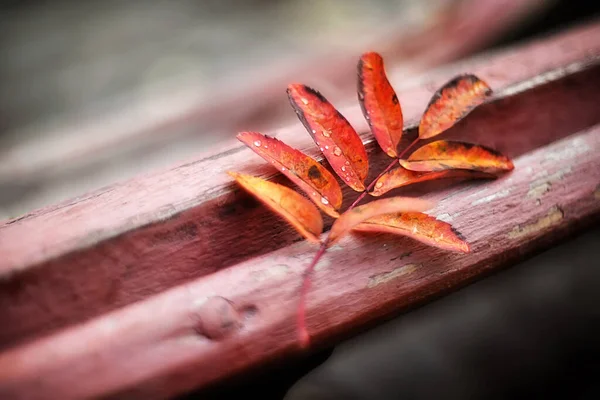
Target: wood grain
x=233, y=319
x=177, y=279
x=67, y=263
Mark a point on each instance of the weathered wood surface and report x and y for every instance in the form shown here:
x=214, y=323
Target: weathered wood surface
x=176, y=232
x=235, y=318
x=68, y=263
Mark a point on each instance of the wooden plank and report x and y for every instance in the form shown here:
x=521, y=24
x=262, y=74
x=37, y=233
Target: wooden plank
x=70, y=262
x=235, y=318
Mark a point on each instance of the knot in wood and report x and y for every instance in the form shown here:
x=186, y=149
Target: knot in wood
x=218, y=318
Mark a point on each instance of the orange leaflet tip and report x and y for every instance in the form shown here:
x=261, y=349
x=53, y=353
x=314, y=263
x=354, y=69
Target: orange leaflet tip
x=297, y=210
x=336, y=138
x=419, y=226
x=401, y=176
x=310, y=176
x=451, y=103
x=443, y=155
x=379, y=103
x=355, y=216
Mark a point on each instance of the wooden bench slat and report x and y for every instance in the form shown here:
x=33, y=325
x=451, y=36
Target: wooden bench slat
x=68, y=263
x=169, y=343
x=130, y=205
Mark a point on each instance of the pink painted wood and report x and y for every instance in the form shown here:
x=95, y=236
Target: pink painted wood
x=125, y=273
x=190, y=335
x=69, y=262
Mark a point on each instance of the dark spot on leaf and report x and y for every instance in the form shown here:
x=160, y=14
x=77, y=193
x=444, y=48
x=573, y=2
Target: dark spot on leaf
x=465, y=145
x=452, y=83
x=395, y=99
x=314, y=173
x=469, y=146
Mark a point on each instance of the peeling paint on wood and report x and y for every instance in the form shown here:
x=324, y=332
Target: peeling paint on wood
x=538, y=191
x=276, y=272
x=576, y=149
x=554, y=216
x=379, y=279
x=543, y=185
x=543, y=176
x=153, y=335
x=499, y=195
x=109, y=274
x=445, y=217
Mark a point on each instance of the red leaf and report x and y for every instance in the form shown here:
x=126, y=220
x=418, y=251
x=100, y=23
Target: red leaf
x=402, y=177
x=355, y=216
x=314, y=179
x=451, y=103
x=443, y=155
x=334, y=135
x=379, y=103
x=419, y=226
x=300, y=212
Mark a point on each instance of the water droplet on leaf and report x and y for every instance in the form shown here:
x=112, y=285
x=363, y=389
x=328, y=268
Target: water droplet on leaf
x=257, y=143
x=337, y=151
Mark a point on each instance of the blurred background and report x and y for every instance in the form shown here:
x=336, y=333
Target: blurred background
x=94, y=92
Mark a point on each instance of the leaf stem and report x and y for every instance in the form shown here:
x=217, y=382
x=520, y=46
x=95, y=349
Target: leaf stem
x=408, y=148
x=303, y=336
x=364, y=193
